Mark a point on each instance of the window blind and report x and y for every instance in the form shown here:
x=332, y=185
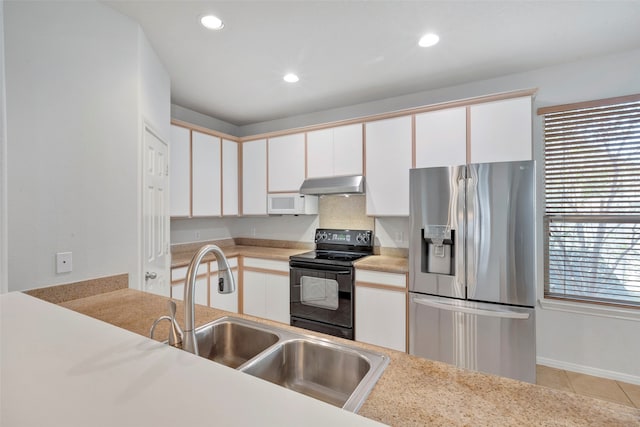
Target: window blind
x=592, y=201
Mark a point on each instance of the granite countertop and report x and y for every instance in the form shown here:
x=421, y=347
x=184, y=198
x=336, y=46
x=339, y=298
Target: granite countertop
x=411, y=391
x=181, y=257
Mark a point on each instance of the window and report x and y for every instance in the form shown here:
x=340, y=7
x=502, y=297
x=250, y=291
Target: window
x=592, y=195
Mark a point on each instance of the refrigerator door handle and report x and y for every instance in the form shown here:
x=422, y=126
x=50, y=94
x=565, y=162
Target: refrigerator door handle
x=472, y=239
x=507, y=314
x=461, y=276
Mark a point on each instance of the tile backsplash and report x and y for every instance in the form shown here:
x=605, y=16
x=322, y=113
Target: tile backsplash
x=344, y=213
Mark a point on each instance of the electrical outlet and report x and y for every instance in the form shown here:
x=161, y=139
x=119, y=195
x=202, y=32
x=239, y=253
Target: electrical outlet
x=253, y=232
x=197, y=235
x=64, y=262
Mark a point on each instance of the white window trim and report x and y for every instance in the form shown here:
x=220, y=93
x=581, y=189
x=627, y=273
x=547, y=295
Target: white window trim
x=590, y=309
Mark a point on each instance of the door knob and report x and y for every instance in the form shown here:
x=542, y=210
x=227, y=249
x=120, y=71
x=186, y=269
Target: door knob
x=150, y=275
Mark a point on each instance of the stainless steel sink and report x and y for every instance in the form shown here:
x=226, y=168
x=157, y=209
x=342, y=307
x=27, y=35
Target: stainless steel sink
x=318, y=369
x=339, y=374
x=232, y=342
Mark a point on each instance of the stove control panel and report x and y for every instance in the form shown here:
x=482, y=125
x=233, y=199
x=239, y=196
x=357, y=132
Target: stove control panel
x=344, y=237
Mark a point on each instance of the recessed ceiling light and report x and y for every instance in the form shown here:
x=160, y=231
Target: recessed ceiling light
x=429, y=40
x=291, y=78
x=212, y=22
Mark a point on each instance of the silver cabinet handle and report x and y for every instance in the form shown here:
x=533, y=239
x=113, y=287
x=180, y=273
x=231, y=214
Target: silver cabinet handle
x=150, y=275
x=469, y=310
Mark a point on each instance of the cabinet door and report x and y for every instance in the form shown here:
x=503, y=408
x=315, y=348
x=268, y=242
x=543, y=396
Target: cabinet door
x=253, y=293
x=202, y=284
x=228, y=302
x=277, y=298
x=206, y=182
x=381, y=317
x=229, y=177
x=441, y=138
x=388, y=160
x=254, y=177
x=286, y=163
x=501, y=131
x=180, y=172
x=320, y=153
x=347, y=150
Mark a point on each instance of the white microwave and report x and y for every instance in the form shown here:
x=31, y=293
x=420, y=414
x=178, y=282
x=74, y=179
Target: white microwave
x=291, y=204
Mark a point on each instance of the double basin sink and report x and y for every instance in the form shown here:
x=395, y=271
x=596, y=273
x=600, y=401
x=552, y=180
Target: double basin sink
x=338, y=374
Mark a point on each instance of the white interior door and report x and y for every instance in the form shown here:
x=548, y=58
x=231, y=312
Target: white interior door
x=155, y=215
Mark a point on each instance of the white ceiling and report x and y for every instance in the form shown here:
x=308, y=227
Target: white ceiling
x=349, y=52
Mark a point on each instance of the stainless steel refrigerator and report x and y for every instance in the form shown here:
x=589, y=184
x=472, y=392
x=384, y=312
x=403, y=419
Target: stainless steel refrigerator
x=472, y=287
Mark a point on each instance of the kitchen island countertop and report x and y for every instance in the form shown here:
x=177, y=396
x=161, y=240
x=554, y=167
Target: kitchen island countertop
x=411, y=391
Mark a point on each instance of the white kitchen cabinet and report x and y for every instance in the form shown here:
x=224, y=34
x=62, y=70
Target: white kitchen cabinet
x=180, y=172
x=381, y=309
x=388, y=160
x=206, y=180
x=254, y=177
x=178, y=278
x=441, y=138
x=286, y=163
x=266, y=294
x=228, y=302
x=501, y=131
x=335, y=151
x=229, y=178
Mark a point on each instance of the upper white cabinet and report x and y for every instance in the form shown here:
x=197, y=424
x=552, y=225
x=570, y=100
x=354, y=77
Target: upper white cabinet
x=254, y=177
x=180, y=172
x=388, y=160
x=286, y=163
x=441, y=138
x=206, y=176
x=229, y=177
x=196, y=174
x=334, y=151
x=501, y=131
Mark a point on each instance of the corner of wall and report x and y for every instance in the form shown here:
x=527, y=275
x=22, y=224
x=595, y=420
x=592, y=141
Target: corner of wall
x=4, y=286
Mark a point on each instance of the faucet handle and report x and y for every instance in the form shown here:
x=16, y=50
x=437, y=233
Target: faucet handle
x=175, y=333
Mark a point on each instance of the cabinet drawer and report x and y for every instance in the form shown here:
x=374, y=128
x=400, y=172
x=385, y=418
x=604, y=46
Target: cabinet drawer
x=382, y=278
x=233, y=263
x=267, y=264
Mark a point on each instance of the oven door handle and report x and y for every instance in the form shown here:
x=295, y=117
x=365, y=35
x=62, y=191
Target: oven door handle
x=318, y=267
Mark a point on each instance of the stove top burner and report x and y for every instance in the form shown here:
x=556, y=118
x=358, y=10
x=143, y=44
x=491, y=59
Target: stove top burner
x=338, y=247
x=332, y=256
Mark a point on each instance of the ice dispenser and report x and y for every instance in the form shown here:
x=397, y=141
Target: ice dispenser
x=437, y=249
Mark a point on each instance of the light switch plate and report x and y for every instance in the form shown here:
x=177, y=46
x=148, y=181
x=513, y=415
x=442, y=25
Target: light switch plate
x=64, y=262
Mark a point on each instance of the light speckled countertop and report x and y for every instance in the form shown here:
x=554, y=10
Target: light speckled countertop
x=412, y=391
x=180, y=257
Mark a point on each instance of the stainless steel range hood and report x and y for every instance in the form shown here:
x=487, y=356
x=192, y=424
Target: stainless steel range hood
x=351, y=184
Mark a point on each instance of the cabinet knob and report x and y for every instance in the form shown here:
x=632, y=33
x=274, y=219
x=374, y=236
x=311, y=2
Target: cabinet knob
x=150, y=275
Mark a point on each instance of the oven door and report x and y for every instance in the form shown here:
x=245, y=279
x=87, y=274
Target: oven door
x=322, y=293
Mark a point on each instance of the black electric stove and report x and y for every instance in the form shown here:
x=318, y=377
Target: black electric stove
x=323, y=281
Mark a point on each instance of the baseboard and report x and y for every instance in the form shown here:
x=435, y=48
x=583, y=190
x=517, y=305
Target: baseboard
x=588, y=370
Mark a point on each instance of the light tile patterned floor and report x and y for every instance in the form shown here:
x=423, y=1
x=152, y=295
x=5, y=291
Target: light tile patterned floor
x=601, y=388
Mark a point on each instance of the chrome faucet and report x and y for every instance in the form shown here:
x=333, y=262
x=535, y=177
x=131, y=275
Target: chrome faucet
x=226, y=285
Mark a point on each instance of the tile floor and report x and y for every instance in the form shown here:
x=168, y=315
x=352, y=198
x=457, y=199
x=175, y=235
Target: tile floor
x=601, y=388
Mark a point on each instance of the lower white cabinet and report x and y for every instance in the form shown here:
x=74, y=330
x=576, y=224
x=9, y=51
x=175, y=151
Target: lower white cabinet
x=228, y=302
x=206, y=291
x=266, y=294
x=381, y=309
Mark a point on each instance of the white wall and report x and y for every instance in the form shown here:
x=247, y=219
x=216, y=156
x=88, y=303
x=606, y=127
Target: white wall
x=74, y=98
x=4, y=286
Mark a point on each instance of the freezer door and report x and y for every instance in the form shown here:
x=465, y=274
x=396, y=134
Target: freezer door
x=500, y=242
x=436, y=227
x=484, y=337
